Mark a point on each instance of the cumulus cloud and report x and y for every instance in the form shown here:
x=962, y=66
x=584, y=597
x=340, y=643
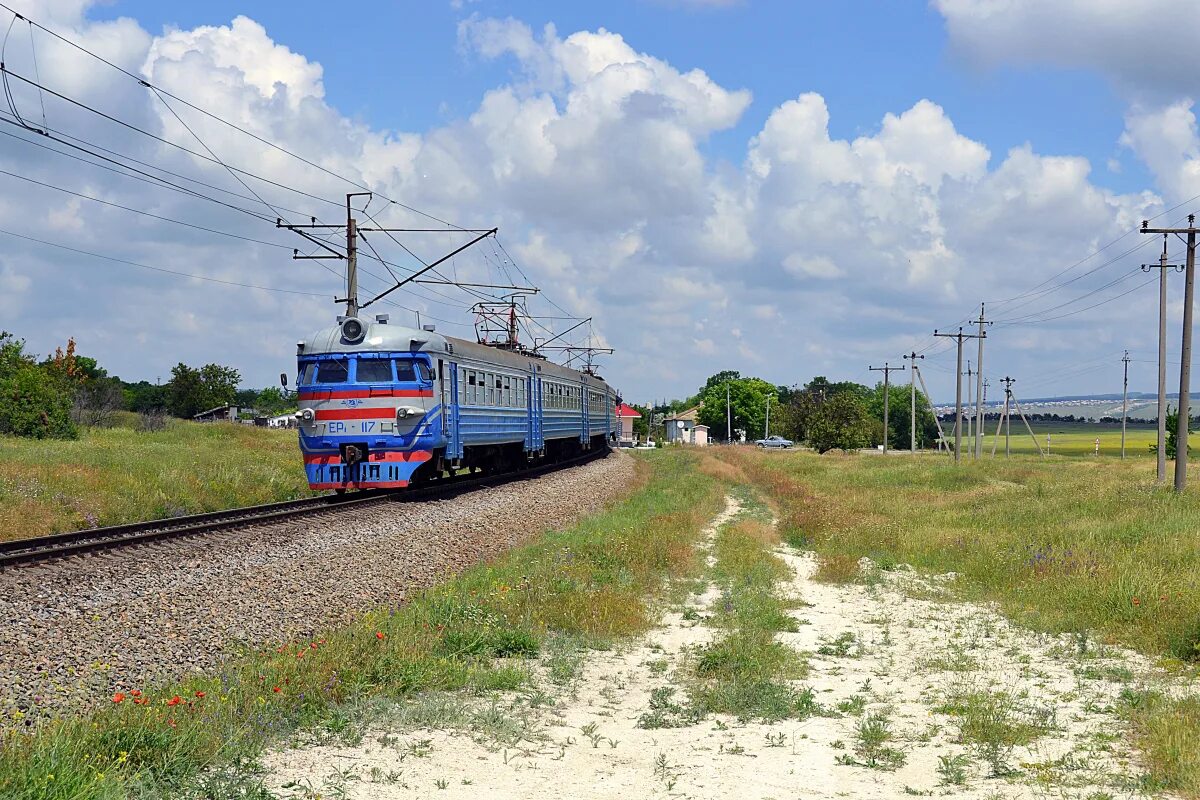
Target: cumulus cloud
x=815, y=250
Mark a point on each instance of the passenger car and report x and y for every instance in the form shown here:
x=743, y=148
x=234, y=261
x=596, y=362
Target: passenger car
x=774, y=441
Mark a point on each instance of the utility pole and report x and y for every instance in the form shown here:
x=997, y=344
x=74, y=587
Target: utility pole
x=1185, y=354
x=979, y=387
x=1162, y=268
x=958, y=387
x=767, y=425
x=1124, y=402
x=887, y=370
x=728, y=417
x=1005, y=421
x=912, y=390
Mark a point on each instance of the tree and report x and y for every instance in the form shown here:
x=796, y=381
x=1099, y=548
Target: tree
x=899, y=417
x=35, y=400
x=145, y=397
x=747, y=403
x=191, y=390
x=840, y=422
x=272, y=402
x=802, y=404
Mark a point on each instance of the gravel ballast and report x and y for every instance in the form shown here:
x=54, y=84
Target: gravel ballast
x=75, y=631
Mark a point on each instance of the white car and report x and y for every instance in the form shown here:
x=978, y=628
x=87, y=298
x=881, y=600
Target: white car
x=774, y=441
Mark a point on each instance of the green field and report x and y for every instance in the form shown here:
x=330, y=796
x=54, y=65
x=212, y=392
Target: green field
x=120, y=474
x=1070, y=439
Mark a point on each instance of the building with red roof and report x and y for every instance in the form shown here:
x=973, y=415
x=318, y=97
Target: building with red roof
x=625, y=417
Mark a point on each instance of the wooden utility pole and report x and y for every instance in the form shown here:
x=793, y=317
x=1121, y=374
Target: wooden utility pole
x=1185, y=353
x=912, y=389
x=960, y=336
x=1124, y=401
x=1162, y=266
x=887, y=370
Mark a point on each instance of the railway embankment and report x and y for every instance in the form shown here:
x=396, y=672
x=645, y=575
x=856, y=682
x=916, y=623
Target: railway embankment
x=84, y=629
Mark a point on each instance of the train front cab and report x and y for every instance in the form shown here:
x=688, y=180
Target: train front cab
x=367, y=420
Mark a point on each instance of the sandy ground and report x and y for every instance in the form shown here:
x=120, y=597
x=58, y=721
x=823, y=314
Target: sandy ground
x=905, y=650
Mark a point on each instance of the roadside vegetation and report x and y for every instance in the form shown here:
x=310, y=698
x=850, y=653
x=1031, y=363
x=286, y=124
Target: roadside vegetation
x=1085, y=546
x=121, y=473
x=202, y=738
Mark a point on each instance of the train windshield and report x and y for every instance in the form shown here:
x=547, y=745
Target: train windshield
x=375, y=370
x=332, y=372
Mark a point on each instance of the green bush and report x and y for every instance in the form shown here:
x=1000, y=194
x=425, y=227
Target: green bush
x=35, y=399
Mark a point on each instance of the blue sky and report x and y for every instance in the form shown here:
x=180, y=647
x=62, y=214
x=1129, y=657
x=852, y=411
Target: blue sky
x=892, y=165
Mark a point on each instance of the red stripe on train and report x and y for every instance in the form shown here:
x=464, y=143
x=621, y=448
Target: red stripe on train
x=374, y=458
x=346, y=394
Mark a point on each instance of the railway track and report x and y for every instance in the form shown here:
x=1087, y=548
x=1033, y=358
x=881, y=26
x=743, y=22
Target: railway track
x=80, y=543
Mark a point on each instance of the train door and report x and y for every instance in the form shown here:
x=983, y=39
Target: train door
x=537, y=437
x=448, y=373
x=583, y=411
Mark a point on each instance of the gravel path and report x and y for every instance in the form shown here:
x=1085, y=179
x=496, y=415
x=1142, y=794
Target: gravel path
x=75, y=631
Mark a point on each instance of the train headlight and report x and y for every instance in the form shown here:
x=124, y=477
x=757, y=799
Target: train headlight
x=404, y=412
x=304, y=415
x=353, y=329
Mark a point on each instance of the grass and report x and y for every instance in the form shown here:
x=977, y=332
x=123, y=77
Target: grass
x=120, y=474
x=1062, y=545
x=594, y=582
x=745, y=672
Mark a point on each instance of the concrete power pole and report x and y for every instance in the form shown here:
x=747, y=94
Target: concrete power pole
x=958, y=387
x=1185, y=354
x=912, y=390
x=728, y=417
x=970, y=417
x=887, y=371
x=1124, y=401
x=979, y=387
x=1162, y=268
x=767, y=425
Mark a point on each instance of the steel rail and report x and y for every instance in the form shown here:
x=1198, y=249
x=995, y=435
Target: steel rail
x=77, y=543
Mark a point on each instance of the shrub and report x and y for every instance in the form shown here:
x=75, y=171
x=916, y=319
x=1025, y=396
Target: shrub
x=35, y=400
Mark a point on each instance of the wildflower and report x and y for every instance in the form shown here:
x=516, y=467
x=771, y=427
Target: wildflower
x=199, y=694
x=301, y=653
x=277, y=690
x=174, y=701
x=1136, y=601
x=141, y=701
x=313, y=645
x=378, y=634
x=119, y=697
x=171, y=722
x=136, y=693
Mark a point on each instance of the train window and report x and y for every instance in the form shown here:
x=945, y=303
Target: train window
x=423, y=371
x=373, y=370
x=307, y=375
x=333, y=371
x=491, y=395
x=404, y=371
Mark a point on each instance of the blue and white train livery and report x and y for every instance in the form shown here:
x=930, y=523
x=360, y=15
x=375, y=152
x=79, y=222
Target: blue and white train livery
x=383, y=405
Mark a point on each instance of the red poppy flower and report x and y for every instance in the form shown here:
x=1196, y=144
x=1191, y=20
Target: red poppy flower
x=199, y=694
x=301, y=654
x=136, y=692
x=141, y=701
x=119, y=697
x=174, y=701
x=277, y=689
x=1137, y=602
x=378, y=634
x=313, y=645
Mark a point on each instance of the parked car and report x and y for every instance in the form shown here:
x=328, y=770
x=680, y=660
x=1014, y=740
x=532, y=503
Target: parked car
x=774, y=441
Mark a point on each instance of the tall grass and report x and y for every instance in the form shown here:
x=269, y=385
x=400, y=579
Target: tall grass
x=1061, y=545
x=595, y=581
x=113, y=475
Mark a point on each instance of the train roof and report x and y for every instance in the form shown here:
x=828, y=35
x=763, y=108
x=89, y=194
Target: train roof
x=400, y=338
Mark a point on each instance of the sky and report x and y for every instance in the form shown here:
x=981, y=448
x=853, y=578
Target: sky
x=787, y=189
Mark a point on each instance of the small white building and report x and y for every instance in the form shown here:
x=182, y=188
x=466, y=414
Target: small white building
x=679, y=426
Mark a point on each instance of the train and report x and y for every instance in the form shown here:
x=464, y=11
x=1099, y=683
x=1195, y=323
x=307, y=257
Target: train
x=384, y=406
